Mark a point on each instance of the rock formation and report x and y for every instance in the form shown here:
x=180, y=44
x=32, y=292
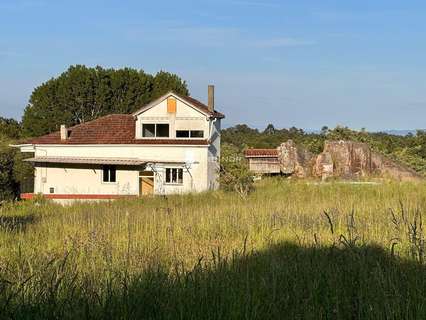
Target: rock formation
x=294, y=160
x=393, y=170
x=323, y=167
x=344, y=159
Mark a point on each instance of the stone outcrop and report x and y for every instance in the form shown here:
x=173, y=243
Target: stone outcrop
x=350, y=159
x=323, y=167
x=390, y=169
x=344, y=159
x=294, y=160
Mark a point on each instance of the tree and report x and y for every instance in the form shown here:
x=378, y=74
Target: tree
x=324, y=130
x=10, y=128
x=270, y=129
x=165, y=81
x=82, y=94
x=8, y=186
x=234, y=172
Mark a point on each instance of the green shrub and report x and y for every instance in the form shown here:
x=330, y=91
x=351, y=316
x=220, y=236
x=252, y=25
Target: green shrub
x=14, y=171
x=234, y=173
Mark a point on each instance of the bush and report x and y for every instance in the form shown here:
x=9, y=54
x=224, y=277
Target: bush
x=14, y=171
x=234, y=172
x=8, y=186
x=10, y=128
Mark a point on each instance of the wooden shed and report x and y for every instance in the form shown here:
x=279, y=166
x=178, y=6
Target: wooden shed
x=263, y=161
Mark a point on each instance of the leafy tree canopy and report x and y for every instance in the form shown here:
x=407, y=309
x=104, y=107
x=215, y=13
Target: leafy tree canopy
x=82, y=94
x=9, y=128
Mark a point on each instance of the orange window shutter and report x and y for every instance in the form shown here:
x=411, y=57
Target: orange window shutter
x=171, y=105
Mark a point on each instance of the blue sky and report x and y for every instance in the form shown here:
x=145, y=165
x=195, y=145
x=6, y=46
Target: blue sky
x=291, y=63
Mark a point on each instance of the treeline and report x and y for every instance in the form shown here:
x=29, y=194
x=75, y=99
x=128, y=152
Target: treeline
x=409, y=149
x=82, y=94
x=78, y=95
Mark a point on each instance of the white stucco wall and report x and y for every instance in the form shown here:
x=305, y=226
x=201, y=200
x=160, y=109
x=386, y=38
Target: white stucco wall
x=185, y=118
x=72, y=179
x=83, y=179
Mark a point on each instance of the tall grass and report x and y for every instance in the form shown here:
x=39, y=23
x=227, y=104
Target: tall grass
x=290, y=249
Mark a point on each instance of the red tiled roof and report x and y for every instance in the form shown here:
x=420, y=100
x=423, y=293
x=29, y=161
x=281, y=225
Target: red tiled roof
x=201, y=106
x=251, y=153
x=111, y=129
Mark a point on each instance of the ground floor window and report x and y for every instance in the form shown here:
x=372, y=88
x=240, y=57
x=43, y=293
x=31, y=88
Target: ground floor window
x=174, y=175
x=109, y=174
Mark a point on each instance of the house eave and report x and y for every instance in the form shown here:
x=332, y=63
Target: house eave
x=181, y=99
x=98, y=160
x=123, y=145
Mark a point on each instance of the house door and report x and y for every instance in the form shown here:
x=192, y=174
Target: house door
x=146, y=183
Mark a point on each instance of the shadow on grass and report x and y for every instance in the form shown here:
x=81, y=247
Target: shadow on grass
x=285, y=281
x=16, y=223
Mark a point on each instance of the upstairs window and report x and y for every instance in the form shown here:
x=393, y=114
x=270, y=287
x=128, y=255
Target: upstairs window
x=148, y=130
x=189, y=134
x=157, y=130
x=182, y=133
x=162, y=130
x=196, y=134
x=109, y=174
x=174, y=176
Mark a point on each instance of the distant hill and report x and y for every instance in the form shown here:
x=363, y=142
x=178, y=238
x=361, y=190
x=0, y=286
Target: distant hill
x=395, y=132
x=400, y=132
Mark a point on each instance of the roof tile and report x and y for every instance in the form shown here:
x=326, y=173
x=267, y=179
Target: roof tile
x=250, y=153
x=110, y=129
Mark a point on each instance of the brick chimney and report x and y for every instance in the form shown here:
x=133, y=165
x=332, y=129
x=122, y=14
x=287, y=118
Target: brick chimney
x=211, y=97
x=64, y=132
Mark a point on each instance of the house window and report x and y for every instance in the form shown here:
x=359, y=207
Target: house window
x=197, y=134
x=109, y=174
x=148, y=130
x=182, y=133
x=174, y=175
x=189, y=133
x=151, y=130
x=162, y=130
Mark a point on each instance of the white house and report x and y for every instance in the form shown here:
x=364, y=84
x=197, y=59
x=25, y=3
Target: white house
x=171, y=145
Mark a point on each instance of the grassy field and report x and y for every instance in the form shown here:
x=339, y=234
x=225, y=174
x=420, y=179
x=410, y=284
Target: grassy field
x=291, y=250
